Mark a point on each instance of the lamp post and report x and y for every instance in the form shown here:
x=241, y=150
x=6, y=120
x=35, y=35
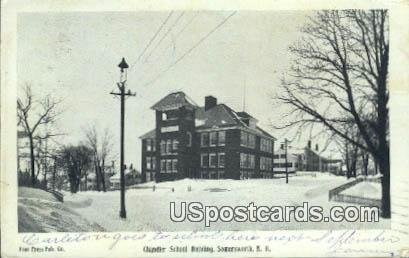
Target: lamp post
x=122, y=93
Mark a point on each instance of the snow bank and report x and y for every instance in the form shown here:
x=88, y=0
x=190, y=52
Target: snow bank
x=365, y=189
x=39, y=211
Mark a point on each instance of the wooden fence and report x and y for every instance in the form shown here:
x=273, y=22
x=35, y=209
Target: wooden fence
x=335, y=194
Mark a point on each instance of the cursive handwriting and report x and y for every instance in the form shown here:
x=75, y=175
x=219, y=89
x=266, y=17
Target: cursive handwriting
x=334, y=241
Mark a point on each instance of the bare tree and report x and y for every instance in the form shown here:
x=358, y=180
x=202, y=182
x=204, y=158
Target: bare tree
x=101, y=146
x=76, y=160
x=339, y=75
x=32, y=115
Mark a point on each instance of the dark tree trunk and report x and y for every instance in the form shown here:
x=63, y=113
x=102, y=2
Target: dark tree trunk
x=45, y=176
x=54, y=172
x=385, y=171
x=365, y=158
x=32, y=159
x=97, y=176
x=72, y=184
x=102, y=170
x=77, y=184
x=386, y=197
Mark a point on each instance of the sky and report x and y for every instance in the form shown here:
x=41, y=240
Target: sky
x=74, y=57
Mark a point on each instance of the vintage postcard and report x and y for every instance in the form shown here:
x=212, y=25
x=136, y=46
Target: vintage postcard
x=193, y=129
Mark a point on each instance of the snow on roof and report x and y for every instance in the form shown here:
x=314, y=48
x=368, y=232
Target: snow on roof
x=173, y=101
x=148, y=135
x=127, y=172
x=218, y=116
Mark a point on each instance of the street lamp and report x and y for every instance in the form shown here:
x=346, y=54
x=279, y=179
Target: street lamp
x=124, y=68
x=122, y=93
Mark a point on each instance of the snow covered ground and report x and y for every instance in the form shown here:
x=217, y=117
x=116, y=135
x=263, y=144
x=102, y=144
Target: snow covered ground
x=148, y=210
x=39, y=211
x=365, y=189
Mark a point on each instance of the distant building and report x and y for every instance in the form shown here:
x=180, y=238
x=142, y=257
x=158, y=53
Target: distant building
x=132, y=176
x=281, y=162
x=212, y=141
x=23, y=152
x=91, y=179
x=304, y=159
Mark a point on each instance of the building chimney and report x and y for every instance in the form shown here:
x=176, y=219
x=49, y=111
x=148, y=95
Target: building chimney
x=316, y=147
x=210, y=102
x=309, y=144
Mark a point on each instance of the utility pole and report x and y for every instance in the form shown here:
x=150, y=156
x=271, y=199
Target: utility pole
x=286, y=160
x=122, y=94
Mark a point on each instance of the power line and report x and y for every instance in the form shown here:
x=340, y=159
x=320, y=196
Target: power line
x=164, y=35
x=176, y=37
x=191, y=49
x=154, y=37
x=181, y=31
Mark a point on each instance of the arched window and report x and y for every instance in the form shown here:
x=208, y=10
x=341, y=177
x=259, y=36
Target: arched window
x=189, y=139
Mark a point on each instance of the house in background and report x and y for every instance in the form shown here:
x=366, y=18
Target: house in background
x=132, y=176
x=212, y=141
x=304, y=159
x=91, y=180
x=284, y=161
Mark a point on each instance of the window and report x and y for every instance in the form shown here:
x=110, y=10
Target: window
x=205, y=139
x=266, y=145
x=242, y=160
x=265, y=163
x=164, y=116
x=252, y=141
x=213, y=174
x=222, y=138
x=251, y=161
x=243, y=138
x=153, y=163
x=276, y=156
x=213, y=138
x=204, y=160
x=247, y=160
x=175, y=145
x=148, y=144
x=174, y=165
x=189, y=139
x=204, y=174
x=221, y=160
x=247, y=140
x=153, y=142
x=169, y=146
x=282, y=156
x=213, y=160
x=148, y=163
x=220, y=174
x=163, y=165
x=163, y=147
x=168, y=165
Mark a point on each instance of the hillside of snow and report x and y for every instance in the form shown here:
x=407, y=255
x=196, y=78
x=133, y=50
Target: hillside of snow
x=39, y=211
